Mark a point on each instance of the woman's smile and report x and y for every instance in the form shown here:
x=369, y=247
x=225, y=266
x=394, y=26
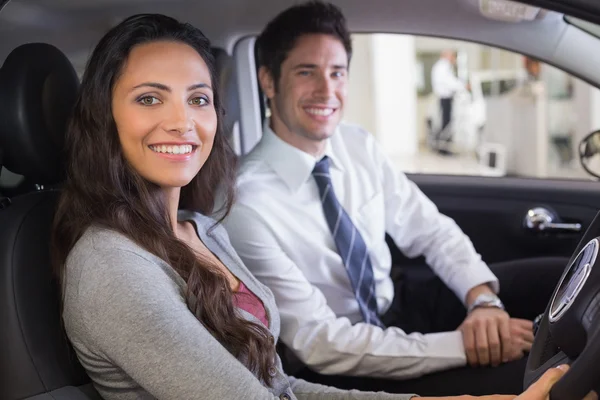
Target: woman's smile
x=175, y=151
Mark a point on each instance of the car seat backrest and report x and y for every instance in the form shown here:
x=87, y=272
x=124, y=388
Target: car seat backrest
x=38, y=87
x=225, y=65
x=4, y=201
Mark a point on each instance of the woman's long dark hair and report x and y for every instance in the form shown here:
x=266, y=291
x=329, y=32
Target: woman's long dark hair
x=103, y=189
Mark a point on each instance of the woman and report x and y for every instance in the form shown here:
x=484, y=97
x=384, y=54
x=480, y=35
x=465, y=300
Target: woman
x=155, y=300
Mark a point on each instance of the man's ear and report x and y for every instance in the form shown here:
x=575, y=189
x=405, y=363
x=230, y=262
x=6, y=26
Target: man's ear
x=267, y=84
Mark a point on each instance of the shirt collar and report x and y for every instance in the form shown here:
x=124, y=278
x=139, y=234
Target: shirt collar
x=293, y=165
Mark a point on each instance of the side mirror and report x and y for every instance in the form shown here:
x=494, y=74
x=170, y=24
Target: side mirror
x=589, y=153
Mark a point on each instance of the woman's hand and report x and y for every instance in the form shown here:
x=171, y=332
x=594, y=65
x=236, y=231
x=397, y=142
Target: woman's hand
x=540, y=390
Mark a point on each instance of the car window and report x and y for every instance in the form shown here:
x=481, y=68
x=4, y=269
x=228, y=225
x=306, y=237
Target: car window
x=510, y=116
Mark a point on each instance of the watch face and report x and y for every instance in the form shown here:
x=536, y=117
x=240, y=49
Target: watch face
x=488, y=299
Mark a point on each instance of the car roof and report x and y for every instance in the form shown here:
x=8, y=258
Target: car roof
x=76, y=25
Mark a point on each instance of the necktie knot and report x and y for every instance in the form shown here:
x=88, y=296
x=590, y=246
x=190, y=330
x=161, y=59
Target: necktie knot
x=321, y=167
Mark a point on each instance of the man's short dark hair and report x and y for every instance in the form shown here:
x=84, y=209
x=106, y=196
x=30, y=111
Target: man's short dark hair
x=280, y=35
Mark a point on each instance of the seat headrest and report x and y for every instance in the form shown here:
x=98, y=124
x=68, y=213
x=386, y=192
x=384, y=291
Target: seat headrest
x=38, y=88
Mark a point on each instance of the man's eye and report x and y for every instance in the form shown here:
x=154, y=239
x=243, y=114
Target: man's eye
x=149, y=100
x=198, y=101
x=304, y=73
x=338, y=74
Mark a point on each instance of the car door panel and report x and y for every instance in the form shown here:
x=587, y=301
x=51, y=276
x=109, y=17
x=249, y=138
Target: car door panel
x=491, y=212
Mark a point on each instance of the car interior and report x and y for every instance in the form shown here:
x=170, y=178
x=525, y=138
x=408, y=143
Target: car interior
x=38, y=87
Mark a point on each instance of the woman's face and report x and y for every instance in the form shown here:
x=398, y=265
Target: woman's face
x=163, y=108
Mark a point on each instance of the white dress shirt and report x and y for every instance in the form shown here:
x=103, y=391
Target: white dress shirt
x=278, y=228
x=443, y=81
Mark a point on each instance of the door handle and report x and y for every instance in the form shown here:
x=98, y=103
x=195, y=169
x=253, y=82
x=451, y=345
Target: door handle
x=541, y=219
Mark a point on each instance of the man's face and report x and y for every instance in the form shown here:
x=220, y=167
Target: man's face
x=450, y=56
x=307, y=102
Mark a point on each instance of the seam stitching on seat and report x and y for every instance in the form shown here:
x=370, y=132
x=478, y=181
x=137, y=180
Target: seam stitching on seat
x=14, y=293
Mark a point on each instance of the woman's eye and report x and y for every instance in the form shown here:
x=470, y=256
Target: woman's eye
x=198, y=101
x=149, y=100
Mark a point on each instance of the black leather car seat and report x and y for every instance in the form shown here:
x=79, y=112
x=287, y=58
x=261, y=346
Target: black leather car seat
x=38, y=87
x=4, y=201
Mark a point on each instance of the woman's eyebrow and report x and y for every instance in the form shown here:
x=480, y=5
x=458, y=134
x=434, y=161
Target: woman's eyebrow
x=165, y=88
x=154, y=85
x=200, y=86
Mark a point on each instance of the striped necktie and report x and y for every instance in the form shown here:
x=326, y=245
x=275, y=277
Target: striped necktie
x=350, y=244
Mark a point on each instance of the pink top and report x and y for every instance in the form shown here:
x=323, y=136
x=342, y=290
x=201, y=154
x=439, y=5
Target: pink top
x=247, y=301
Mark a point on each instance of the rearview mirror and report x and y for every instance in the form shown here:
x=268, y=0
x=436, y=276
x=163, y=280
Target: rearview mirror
x=589, y=153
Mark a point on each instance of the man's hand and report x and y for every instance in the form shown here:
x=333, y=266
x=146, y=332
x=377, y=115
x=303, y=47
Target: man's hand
x=540, y=390
x=521, y=333
x=490, y=336
x=487, y=337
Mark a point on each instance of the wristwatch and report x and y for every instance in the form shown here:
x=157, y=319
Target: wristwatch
x=486, y=300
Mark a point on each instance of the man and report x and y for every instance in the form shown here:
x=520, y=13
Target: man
x=445, y=85
x=315, y=199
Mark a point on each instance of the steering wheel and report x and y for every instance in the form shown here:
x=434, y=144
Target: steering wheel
x=569, y=332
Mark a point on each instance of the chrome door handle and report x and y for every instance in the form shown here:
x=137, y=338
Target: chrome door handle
x=540, y=219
